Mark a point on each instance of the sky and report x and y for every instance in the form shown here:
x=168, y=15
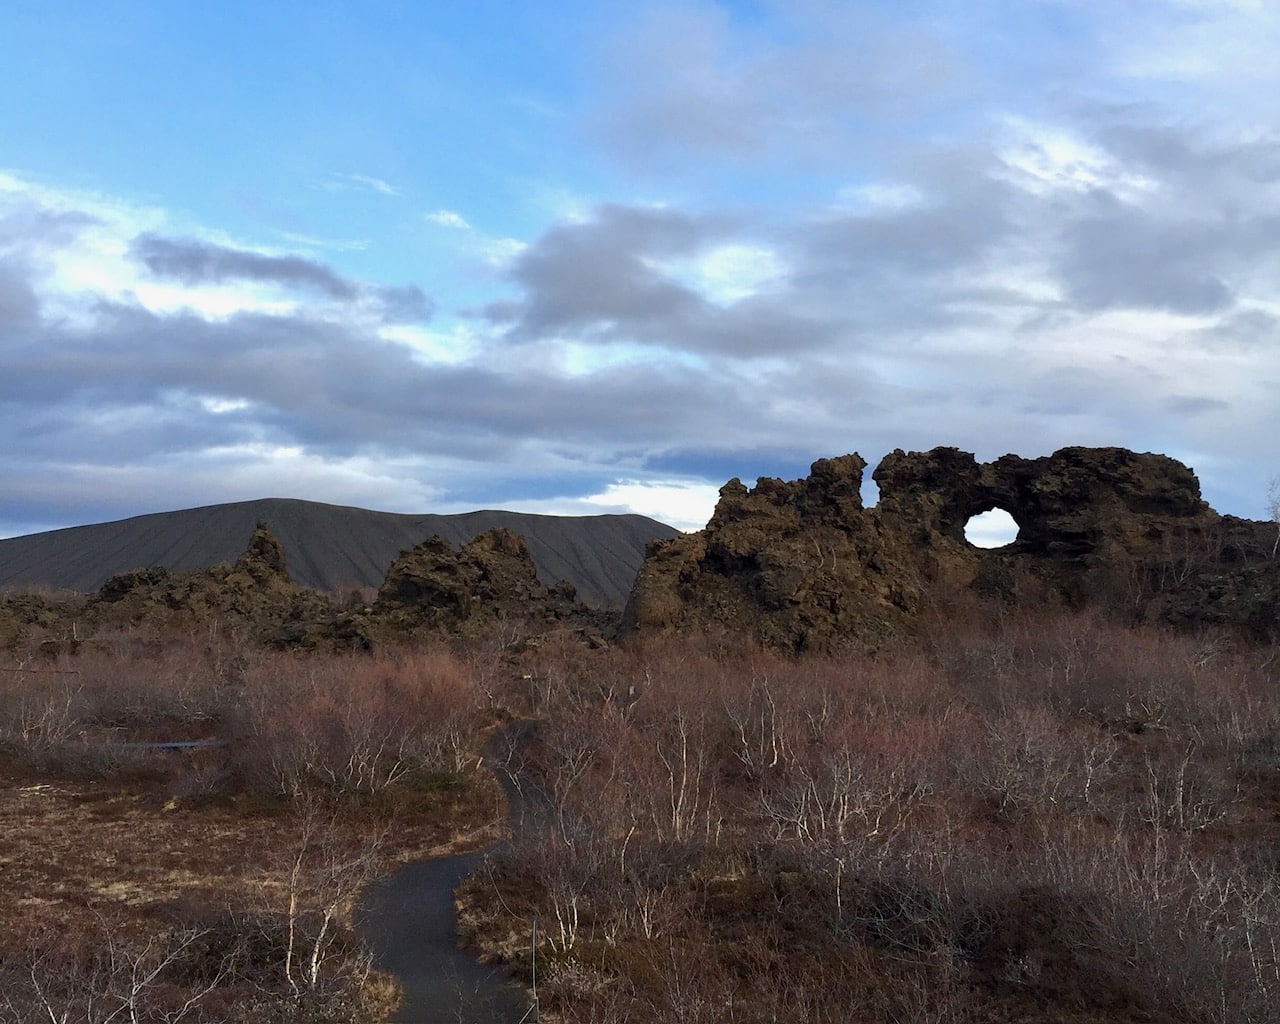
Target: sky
x=578, y=257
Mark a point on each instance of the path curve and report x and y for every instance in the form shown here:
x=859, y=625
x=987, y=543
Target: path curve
x=409, y=921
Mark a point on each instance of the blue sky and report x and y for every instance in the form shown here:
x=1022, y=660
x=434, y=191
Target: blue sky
x=592, y=257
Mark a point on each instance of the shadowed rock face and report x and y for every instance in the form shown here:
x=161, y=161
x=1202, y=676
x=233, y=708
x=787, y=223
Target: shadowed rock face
x=467, y=592
x=256, y=593
x=488, y=587
x=1068, y=503
x=803, y=565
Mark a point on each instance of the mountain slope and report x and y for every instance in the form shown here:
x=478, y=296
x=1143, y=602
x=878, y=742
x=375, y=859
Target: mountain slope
x=329, y=547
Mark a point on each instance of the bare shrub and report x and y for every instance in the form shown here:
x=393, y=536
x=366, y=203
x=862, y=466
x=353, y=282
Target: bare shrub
x=1045, y=816
x=41, y=714
x=121, y=980
x=354, y=723
x=322, y=881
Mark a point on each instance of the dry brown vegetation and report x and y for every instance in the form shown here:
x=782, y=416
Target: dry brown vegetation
x=216, y=881
x=1021, y=815
x=1026, y=817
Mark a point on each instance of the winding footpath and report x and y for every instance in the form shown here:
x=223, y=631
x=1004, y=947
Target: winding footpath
x=409, y=920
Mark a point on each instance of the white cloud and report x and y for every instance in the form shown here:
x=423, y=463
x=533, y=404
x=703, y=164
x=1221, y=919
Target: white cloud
x=452, y=345
x=500, y=253
x=326, y=244
x=728, y=273
x=686, y=505
x=366, y=182
x=682, y=503
x=220, y=406
x=1045, y=158
x=448, y=219
x=881, y=196
x=992, y=529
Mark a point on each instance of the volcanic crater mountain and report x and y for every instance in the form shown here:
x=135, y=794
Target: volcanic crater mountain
x=328, y=547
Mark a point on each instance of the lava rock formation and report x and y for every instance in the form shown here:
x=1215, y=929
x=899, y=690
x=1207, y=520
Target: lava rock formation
x=803, y=565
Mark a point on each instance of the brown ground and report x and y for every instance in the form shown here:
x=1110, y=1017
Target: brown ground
x=84, y=862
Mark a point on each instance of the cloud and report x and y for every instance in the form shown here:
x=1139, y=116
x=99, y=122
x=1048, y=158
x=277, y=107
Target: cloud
x=1223, y=47
x=826, y=227
x=1196, y=405
x=1247, y=329
x=404, y=303
x=448, y=219
x=364, y=182
x=1130, y=260
x=194, y=262
x=684, y=504
x=654, y=277
x=682, y=81
x=591, y=275
x=33, y=228
x=19, y=306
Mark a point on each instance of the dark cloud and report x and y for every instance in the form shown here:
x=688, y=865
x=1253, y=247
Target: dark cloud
x=1243, y=330
x=945, y=232
x=1188, y=226
x=1132, y=260
x=130, y=386
x=33, y=228
x=19, y=306
x=194, y=262
x=405, y=304
x=590, y=276
x=611, y=279
x=1186, y=155
x=1195, y=405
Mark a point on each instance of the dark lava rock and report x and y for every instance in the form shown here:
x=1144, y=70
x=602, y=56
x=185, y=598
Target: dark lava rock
x=46, y=620
x=802, y=565
x=483, y=586
x=254, y=597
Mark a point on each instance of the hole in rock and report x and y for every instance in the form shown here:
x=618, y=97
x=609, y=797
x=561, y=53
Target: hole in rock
x=991, y=529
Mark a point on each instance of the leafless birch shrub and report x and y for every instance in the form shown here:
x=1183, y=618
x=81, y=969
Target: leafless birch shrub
x=41, y=714
x=843, y=803
x=1047, y=817
x=764, y=726
x=94, y=711
x=684, y=803
x=121, y=980
x=356, y=725
x=1183, y=790
x=1033, y=764
x=165, y=693
x=301, y=926
x=1199, y=931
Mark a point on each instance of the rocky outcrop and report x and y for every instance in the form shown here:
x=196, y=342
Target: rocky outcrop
x=803, y=565
x=255, y=596
x=487, y=588
x=484, y=585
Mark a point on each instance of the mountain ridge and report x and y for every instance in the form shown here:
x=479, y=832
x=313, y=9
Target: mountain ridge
x=328, y=547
